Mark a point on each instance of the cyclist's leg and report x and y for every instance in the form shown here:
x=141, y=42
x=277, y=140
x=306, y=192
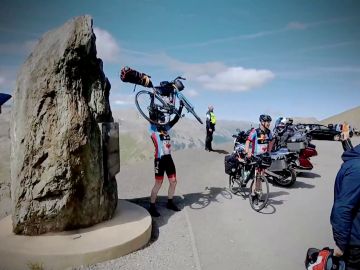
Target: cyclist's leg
x=159, y=177
x=171, y=174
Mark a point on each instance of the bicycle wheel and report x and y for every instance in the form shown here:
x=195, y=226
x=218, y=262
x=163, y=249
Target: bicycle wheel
x=259, y=198
x=234, y=185
x=146, y=101
x=188, y=106
x=287, y=179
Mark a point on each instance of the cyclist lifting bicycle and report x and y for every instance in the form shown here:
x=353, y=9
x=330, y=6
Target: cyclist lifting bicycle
x=162, y=98
x=158, y=107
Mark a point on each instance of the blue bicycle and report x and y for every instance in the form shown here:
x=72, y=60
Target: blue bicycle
x=166, y=99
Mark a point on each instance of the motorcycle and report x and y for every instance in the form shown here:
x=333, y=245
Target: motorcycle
x=282, y=170
x=300, y=144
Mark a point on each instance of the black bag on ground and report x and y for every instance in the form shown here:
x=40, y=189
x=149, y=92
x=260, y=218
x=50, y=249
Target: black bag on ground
x=231, y=164
x=130, y=75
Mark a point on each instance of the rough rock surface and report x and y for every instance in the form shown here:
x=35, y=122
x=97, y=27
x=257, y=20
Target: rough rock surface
x=61, y=94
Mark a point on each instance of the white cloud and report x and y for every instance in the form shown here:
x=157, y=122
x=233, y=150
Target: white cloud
x=191, y=93
x=106, y=46
x=296, y=26
x=236, y=79
x=211, y=75
x=218, y=76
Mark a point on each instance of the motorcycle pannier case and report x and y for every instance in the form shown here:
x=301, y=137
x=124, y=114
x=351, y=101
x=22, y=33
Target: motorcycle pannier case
x=295, y=146
x=278, y=165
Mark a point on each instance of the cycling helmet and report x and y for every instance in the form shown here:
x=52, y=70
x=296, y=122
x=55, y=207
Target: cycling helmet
x=265, y=118
x=280, y=127
x=179, y=85
x=290, y=121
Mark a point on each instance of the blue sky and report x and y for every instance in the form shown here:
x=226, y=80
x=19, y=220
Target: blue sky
x=284, y=58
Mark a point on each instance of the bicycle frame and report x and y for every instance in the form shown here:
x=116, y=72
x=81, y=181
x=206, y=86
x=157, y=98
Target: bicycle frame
x=171, y=108
x=155, y=101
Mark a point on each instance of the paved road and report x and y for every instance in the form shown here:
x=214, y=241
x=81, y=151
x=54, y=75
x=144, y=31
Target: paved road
x=217, y=230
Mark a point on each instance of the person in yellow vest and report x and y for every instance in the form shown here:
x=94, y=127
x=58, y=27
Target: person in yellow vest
x=210, y=127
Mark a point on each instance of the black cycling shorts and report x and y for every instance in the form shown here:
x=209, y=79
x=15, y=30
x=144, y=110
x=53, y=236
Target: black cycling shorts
x=162, y=165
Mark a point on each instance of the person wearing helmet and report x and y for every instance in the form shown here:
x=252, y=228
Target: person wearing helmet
x=283, y=130
x=210, y=128
x=259, y=141
x=163, y=161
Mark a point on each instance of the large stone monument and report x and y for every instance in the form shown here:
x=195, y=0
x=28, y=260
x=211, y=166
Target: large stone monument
x=61, y=136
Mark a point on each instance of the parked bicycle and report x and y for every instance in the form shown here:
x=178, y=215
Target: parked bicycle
x=243, y=170
x=164, y=98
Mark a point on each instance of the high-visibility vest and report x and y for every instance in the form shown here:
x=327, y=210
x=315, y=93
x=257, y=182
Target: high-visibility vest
x=212, y=118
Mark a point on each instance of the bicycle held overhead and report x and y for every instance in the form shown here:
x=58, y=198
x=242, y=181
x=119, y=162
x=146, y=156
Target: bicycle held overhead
x=163, y=99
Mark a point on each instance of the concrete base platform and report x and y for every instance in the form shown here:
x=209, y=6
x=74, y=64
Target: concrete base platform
x=129, y=230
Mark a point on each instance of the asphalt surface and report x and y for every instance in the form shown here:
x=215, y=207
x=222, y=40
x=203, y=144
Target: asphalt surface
x=219, y=230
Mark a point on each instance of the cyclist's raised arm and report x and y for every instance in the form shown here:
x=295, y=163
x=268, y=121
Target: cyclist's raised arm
x=177, y=116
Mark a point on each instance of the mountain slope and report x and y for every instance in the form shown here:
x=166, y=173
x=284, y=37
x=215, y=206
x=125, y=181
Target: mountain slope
x=352, y=116
x=187, y=133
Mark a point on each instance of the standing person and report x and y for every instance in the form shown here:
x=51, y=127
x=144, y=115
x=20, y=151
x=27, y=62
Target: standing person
x=261, y=141
x=345, y=214
x=210, y=127
x=163, y=161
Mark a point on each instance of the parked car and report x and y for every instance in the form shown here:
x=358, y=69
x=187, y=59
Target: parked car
x=321, y=132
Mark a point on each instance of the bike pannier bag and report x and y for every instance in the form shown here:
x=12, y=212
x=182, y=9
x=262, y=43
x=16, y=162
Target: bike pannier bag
x=231, y=164
x=132, y=76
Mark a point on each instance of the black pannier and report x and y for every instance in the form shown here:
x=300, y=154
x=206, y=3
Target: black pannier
x=165, y=89
x=231, y=164
x=130, y=75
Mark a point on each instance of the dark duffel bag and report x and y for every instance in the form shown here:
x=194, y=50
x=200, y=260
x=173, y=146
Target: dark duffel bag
x=132, y=76
x=231, y=164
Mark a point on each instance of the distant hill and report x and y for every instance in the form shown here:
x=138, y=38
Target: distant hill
x=305, y=120
x=135, y=142
x=351, y=116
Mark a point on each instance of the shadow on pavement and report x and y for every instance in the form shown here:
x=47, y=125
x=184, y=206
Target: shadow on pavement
x=220, y=151
x=197, y=200
x=308, y=175
x=270, y=208
x=300, y=184
x=201, y=200
x=157, y=222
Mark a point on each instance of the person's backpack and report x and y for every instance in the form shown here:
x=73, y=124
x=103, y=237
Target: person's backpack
x=323, y=259
x=130, y=75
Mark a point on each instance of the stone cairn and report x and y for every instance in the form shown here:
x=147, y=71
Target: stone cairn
x=64, y=143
